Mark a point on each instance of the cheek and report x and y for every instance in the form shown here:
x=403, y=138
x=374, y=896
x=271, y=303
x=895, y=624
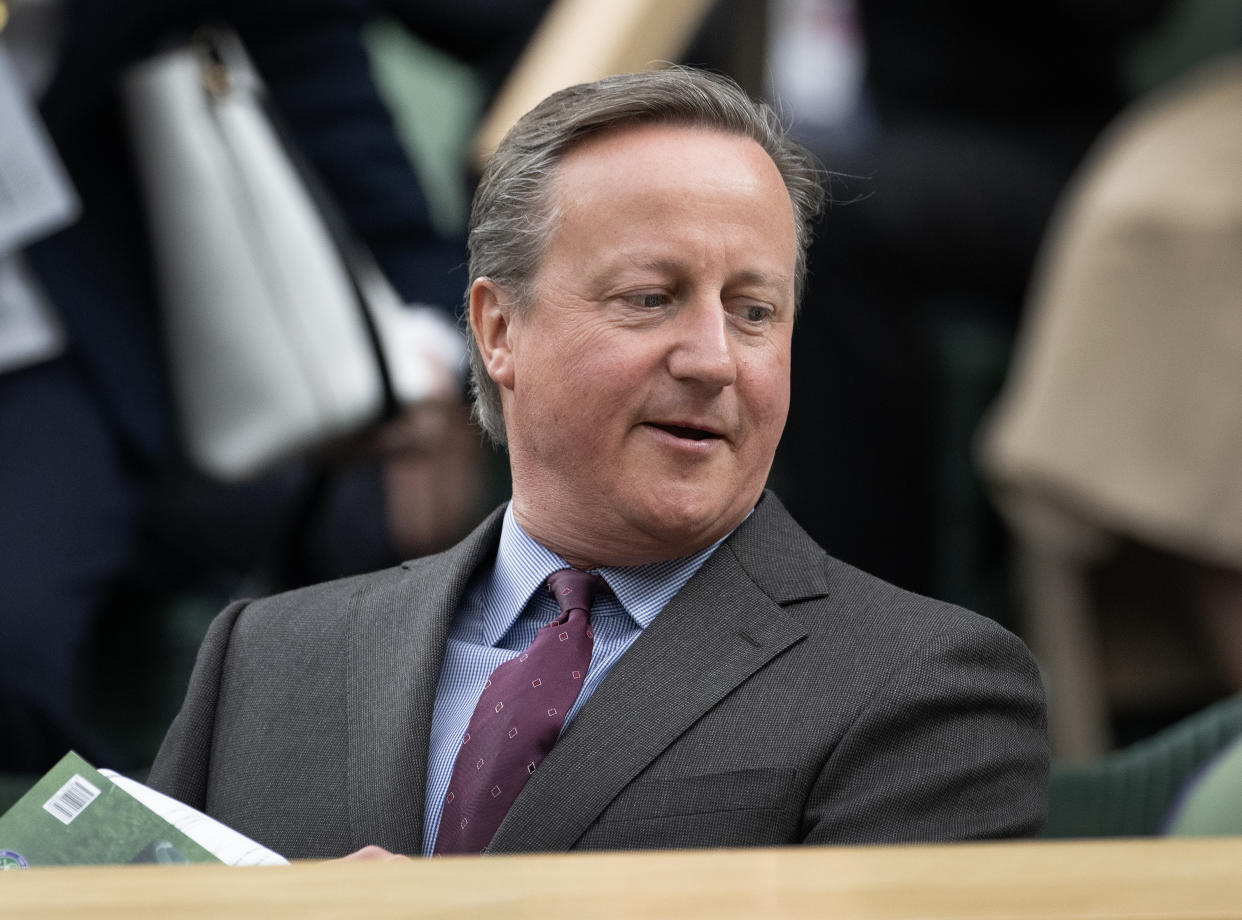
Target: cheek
x=568, y=413
x=605, y=378
x=767, y=395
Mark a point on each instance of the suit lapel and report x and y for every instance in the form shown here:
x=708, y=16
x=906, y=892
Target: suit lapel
x=398, y=629
x=723, y=626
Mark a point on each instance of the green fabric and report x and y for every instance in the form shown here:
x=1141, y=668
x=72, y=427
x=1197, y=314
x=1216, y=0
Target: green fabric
x=1213, y=801
x=435, y=102
x=1128, y=793
x=1188, y=33
x=969, y=357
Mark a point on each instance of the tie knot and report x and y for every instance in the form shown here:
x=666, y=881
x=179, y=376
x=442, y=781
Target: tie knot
x=575, y=590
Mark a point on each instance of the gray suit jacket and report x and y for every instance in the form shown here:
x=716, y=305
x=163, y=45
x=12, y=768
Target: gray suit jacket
x=781, y=697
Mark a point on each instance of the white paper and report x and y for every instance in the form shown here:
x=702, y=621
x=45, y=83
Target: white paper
x=226, y=844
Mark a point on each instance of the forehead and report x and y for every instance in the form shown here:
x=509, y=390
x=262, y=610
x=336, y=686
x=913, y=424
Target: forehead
x=635, y=158
x=654, y=184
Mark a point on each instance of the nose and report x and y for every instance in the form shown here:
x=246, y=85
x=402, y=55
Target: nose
x=702, y=350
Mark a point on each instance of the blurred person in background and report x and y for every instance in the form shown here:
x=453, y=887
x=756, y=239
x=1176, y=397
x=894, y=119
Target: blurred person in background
x=95, y=494
x=1114, y=446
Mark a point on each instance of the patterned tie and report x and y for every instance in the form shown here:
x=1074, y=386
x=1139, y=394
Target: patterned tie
x=519, y=717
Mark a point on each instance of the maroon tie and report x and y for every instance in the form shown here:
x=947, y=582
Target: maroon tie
x=518, y=718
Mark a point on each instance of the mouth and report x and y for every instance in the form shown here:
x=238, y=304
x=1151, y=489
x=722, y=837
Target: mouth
x=686, y=432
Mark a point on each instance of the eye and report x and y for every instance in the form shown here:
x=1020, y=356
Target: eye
x=756, y=313
x=648, y=300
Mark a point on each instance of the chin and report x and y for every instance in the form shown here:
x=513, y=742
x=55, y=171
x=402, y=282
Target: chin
x=688, y=519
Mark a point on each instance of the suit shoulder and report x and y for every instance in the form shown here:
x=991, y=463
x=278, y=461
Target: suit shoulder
x=813, y=586
x=851, y=584
x=873, y=596
x=315, y=606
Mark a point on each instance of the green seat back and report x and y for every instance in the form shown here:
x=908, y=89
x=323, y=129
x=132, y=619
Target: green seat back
x=1128, y=793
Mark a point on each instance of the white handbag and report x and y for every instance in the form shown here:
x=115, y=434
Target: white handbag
x=276, y=324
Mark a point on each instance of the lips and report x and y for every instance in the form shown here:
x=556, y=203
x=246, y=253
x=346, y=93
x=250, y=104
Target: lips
x=686, y=432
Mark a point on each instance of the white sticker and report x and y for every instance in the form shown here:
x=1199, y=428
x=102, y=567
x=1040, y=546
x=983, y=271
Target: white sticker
x=36, y=196
x=71, y=799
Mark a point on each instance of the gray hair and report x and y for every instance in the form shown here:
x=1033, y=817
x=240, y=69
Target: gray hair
x=513, y=213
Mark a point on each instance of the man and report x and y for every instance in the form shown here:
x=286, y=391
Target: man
x=636, y=256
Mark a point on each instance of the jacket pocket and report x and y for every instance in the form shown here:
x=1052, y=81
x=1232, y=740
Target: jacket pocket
x=664, y=796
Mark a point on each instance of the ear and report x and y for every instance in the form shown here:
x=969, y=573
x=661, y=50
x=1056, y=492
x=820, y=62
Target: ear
x=490, y=314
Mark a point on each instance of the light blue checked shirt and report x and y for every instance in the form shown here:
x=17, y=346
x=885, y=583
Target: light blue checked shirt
x=499, y=615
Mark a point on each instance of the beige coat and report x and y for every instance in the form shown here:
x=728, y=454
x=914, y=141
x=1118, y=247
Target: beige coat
x=1124, y=403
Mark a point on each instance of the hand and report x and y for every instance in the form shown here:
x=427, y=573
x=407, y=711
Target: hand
x=435, y=475
x=372, y=854
x=426, y=353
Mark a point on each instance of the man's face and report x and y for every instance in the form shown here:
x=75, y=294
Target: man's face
x=646, y=387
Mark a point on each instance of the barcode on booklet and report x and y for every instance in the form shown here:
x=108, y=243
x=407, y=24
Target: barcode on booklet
x=71, y=799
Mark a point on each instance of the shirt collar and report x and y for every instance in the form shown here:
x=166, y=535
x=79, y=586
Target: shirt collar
x=523, y=566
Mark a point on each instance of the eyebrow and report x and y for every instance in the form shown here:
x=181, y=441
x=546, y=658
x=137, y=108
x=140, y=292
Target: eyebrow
x=763, y=279
x=746, y=276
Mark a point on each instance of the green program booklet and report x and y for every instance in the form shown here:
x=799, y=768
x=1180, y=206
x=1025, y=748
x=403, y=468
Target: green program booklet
x=77, y=815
